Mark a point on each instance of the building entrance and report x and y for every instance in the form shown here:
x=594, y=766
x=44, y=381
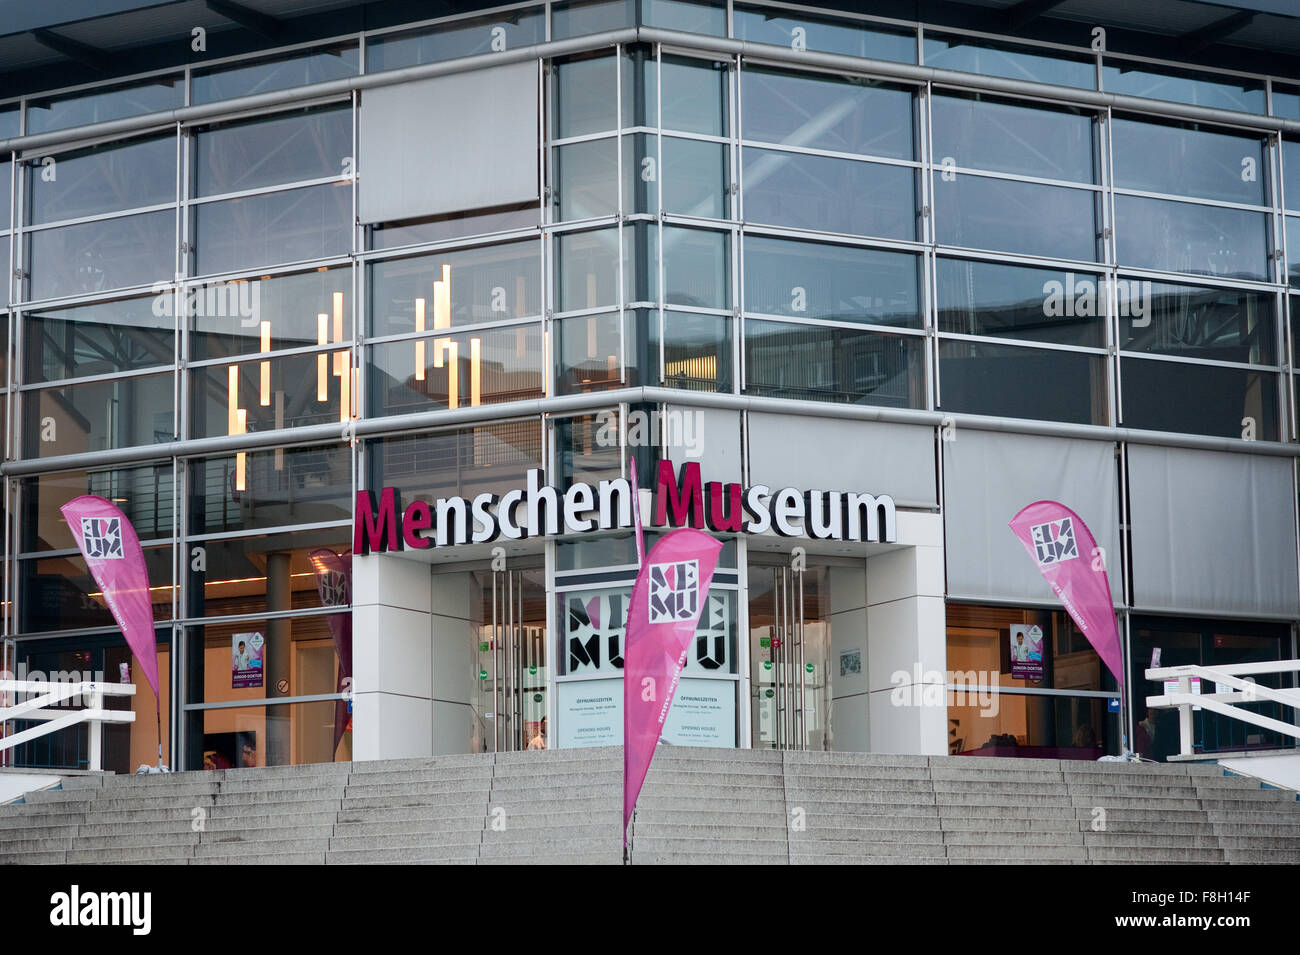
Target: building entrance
x=510, y=660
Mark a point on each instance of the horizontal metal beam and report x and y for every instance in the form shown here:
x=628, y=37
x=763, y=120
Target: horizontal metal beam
x=722, y=46
x=578, y=404
x=264, y=26
x=89, y=56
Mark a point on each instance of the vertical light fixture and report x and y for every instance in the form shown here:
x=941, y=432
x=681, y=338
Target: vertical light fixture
x=266, y=366
x=241, y=462
x=322, y=360
x=453, y=374
x=236, y=423
x=475, y=372
x=441, y=312
x=419, y=346
x=338, y=332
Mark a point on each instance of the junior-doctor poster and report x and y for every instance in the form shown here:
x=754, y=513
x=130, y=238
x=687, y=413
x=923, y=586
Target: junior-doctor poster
x=1026, y=652
x=246, y=661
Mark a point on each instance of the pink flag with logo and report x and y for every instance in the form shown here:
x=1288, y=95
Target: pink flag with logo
x=112, y=551
x=334, y=585
x=667, y=600
x=1068, y=557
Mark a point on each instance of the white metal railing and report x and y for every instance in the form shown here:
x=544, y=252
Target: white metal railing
x=48, y=694
x=1224, y=703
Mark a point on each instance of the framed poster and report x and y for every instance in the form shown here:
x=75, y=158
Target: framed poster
x=246, y=660
x=1026, y=652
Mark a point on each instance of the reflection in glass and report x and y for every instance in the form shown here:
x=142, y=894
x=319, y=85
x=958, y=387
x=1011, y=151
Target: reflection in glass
x=695, y=178
x=276, y=149
x=815, y=363
x=292, y=226
x=120, y=412
x=584, y=451
x=689, y=16
x=1153, y=157
x=587, y=350
x=1215, y=91
x=694, y=96
x=455, y=225
x=585, y=101
x=101, y=179
x=1211, y=323
x=143, y=494
x=270, y=394
x=281, y=487
x=1008, y=137
x=640, y=173
x=1184, y=237
x=284, y=734
x=697, y=268
x=489, y=458
x=641, y=261
x=835, y=282
x=454, y=288
x=1036, y=64
x=127, y=335
x=765, y=25
x=301, y=69
x=249, y=316
x=1025, y=217
x=586, y=267
x=58, y=593
x=268, y=572
x=1293, y=243
x=640, y=87
x=813, y=111
x=516, y=28
x=463, y=370
x=829, y=195
x=101, y=105
x=1014, y=382
x=100, y=256
x=1008, y=301
x=583, y=17
x=1198, y=399
x=697, y=352
x=585, y=178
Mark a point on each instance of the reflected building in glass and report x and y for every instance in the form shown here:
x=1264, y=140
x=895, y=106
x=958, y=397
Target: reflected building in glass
x=962, y=263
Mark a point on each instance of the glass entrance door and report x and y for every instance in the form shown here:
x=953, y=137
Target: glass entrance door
x=789, y=634
x=511, y=660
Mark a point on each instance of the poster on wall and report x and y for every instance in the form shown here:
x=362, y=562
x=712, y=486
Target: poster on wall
x=246, y=660
x=589, y=713
x=703, y=714
x=1026, y=652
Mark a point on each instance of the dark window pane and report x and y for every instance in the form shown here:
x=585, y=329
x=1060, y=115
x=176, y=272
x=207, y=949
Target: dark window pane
x=585, y=179
x=587, y=353
x=822, y=112
x=293, y=226
x=813, y=363
x=1210, y=323
x=766, y=25
x=586, y=99
x=1005, y=380
x=144, y=495
x=237, y=318
x=281, y=487
x=516, y=28
x=271, y=151
x=1190, y=162
x=486, y=284
x=837, y=282
x=269, y=394
x=99, y=415
x=697, y=268
x=58, y=593
x=1025, y=217
x=829, y=195
x=1007, y=301
x=698, y=17
x=694, y=178
x=1006, y=137
x=6, y=195
x=102, y=105
x=1035, y=64
x=697, y=352
x=260, y=573
x=582, y=19
x=640, y=87
x=99, y=256
x=128, y=335
x=694, y=96
x=10, y=121
x=586, y=265
x=1198, y=399
x=1291, y=173
x=1293, y=250
x=1286, y=101
x=104, y=179
x=456, y=225
x=641, y=262
x=461, y=463
x=271, y=75
x=462, y=370
x=640, y=173
x=1183, y=237
x=1183, y=86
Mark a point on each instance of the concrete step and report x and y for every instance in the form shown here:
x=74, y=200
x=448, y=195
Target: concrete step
x=1009, y=839
x=270, y=858
x=130, y=855
x=451, y=839
x=410, y=855
x=1023, y=853
x=34, y=858
x=1138, y=852
x=475, y=788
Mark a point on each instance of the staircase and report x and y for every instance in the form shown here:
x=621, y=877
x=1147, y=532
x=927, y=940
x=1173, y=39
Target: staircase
x=698, y=806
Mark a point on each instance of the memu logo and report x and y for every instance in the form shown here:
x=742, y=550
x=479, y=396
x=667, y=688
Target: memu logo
x=102, y=538
x=1054, y=542
x=674, y=591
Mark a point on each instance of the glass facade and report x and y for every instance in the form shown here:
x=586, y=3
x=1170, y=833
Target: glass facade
x=746, y=226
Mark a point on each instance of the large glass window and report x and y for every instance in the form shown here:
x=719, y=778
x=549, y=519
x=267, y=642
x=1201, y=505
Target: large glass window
x=1010, y=381
x=1023, y=217
x=282, y=227
x=490, y=34
x=974, y=132
x=820, y=363
x=103, y=104
x=1036, y=64
x=119, y=412
x=256, y=315
x=489, y=458
x=271, y=488
x=1226, y=401
x=127, y=335
x=143, y=494
x=1190, y=161
x=272, y=151
x=1213, y=90
x=1187, y=237
x=259, y=574
x=300, y=69
x=100, y=180
x=1010, y=301
x=800, y=31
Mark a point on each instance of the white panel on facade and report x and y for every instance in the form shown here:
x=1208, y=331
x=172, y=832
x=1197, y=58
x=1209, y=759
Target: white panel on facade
x=707, y=435
x=449, y=143
x=988, y=477
x=1212, y=531
x=841, y=455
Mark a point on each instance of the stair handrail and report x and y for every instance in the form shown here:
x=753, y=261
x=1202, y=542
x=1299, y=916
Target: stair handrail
x=1225, y=704
x=44, y=693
